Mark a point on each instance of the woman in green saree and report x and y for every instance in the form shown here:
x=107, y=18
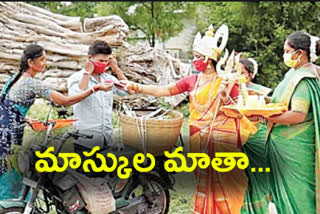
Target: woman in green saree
x=250, y=70
x=292, y=139
x=256, y=198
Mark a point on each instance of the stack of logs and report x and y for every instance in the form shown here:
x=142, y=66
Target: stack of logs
x=66, y=41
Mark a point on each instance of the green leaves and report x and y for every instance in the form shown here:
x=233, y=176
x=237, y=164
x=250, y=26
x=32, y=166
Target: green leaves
x=82, y=9
x=156, y=20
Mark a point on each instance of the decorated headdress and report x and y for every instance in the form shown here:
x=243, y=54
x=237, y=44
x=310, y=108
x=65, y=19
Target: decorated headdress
x=255, y=67
x=208, y=44
x=230, y=64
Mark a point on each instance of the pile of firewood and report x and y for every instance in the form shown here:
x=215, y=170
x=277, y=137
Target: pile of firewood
x=66, y=41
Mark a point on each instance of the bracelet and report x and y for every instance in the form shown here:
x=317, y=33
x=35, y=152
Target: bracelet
x=138, y=87
x=93, y=90
x=87, y=73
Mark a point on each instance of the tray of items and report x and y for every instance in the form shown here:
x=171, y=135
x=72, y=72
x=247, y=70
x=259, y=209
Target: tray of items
x=254, y=106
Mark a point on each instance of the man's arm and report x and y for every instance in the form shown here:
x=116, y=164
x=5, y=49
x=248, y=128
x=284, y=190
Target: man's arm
x=114, y=66
x=89, y=68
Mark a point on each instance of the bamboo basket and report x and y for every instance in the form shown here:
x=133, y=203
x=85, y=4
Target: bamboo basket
x=160, y=135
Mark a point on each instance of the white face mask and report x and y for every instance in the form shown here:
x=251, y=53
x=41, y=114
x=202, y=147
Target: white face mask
x=287, y=59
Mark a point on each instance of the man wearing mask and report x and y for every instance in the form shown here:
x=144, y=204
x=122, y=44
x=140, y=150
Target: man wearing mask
x=94, y=115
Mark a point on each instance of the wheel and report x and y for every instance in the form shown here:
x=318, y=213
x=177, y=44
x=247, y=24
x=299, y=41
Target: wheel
x=15, y=210
x=12, y=210
x=158, y=194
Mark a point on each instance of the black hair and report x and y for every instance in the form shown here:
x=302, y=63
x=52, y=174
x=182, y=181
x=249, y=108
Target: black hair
x=300, y=40
x=32, y=52
x=248, y=65
x=99, y=47
x=214, y=63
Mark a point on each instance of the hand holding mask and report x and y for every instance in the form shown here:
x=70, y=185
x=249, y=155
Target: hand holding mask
x=119, y=85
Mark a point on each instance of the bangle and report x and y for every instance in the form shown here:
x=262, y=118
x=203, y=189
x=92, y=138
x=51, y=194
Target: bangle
x=87, y=73
x=138, y=87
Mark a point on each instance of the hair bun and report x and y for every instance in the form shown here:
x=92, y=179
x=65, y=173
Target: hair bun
x=318, y=48
x=314, y=48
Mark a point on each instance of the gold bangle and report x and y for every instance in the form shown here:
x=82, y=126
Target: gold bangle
x=93, y=91
x=139, y=88
x=136, y=87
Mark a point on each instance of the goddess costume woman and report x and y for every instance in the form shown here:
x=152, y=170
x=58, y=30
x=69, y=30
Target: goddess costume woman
x=210, y=130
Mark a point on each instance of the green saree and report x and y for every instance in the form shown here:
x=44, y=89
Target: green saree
x=292, y=152
x=256, y=198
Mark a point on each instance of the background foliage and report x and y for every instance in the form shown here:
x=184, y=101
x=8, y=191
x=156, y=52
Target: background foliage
x=82, y=8
x=260, y=28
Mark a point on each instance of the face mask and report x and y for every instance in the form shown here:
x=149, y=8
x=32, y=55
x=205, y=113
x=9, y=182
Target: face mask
x=287, y=58
x=200, y=65
x=99, y=67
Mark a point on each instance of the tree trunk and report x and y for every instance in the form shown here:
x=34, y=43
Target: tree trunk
x=153, y=37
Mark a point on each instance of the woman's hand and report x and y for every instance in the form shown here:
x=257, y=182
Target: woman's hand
x=61, y=99
x=131, y=87
x=153, y=90
x=275, y=119
x=223, y=94
x=104, y=86
x=288, y=118
x=254, y=118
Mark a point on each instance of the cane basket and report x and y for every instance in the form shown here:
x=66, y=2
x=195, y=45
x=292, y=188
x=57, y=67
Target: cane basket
x=158, y=135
